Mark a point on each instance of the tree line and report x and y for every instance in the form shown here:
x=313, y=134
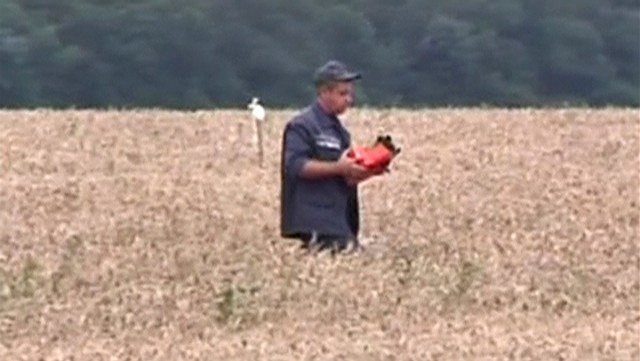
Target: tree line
x=219, y=53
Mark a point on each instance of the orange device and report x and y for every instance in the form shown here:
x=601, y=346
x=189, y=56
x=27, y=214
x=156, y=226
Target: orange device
x=380, y=154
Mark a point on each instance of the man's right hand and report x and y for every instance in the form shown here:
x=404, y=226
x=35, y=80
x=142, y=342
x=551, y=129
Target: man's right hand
x=345, y=166
x=351, y=170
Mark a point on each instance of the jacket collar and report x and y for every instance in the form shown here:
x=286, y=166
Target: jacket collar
x=326, y=120
x=323, y=117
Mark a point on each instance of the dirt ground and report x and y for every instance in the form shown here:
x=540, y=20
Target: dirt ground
x=152, y=235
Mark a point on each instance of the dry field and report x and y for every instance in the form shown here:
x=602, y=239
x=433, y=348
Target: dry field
x=151, y=235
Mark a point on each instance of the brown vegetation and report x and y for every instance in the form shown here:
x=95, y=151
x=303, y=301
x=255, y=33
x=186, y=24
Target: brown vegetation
x=152, y=235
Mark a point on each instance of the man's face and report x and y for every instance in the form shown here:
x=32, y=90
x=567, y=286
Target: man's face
x=337, y=97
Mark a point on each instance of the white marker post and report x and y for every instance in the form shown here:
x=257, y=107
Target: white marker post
x=258, y=114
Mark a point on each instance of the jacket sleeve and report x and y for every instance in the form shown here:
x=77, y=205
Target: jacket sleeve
x=298, y=148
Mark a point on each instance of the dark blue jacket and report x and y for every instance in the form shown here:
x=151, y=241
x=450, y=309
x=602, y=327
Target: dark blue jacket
x=328, y=206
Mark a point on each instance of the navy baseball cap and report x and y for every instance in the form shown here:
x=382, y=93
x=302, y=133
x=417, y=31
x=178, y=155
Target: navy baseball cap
x=332, y=71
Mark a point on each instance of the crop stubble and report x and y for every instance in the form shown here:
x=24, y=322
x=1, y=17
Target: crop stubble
x=152, y=235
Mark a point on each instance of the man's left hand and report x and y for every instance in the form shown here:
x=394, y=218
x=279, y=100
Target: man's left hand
x=353, y=181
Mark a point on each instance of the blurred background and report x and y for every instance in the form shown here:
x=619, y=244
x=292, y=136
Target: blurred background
x=218, y=53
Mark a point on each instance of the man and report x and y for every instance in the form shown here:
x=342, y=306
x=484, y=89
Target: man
x=319, y=194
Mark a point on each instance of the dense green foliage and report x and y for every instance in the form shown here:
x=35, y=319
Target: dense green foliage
x=209, y=53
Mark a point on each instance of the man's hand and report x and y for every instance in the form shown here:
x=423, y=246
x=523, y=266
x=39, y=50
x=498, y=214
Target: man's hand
x=345, y=166
x=370, y=173
x=379, y=170
x=349, y=168
x=355, y=173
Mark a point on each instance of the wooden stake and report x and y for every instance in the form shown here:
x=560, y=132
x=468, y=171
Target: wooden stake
x=260, y=147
